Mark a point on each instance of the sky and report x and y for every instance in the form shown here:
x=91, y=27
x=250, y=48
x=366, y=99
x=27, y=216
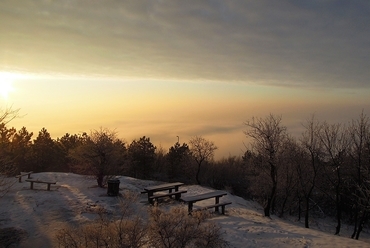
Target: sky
x=163, y=69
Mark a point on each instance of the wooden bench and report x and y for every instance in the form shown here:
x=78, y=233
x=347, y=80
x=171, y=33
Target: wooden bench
x=214, y=194
x=37, y=181
x=177, y=195
x=163, y=187
x=222, y=205
x=24, y=174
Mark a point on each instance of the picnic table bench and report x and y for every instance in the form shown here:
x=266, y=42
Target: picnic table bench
x=32, y=181
x=214, y=194
x=163, y=187
x=28, y=174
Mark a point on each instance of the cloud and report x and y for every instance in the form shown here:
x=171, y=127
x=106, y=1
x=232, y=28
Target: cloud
x=316, y=43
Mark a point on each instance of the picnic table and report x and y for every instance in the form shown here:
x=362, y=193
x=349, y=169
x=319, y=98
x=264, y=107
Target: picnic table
x=214, y=194
x=22, y=174
x=173, y=189
x=32, y=181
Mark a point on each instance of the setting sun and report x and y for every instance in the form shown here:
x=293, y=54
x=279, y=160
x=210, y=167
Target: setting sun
x=5, y=88
x=6, y=83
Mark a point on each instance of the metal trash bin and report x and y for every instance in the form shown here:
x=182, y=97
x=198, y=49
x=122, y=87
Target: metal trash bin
x=113, y=187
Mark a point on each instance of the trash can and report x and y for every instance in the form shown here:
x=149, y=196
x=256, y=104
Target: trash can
x=113, y=187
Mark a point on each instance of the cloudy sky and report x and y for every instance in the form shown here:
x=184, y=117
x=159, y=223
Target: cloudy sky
x=165, y=68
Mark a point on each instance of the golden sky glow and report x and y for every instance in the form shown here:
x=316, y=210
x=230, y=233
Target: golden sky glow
x=6, y=84
x=182, y=68
x=164, y=110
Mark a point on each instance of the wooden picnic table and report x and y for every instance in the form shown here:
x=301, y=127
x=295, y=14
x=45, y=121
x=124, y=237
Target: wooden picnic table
x=214, y=194
x=163, y=187
x=32, y=181
x=22, y=174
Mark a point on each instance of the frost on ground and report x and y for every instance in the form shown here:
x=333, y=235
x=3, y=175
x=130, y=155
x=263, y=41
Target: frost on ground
x=31, y=218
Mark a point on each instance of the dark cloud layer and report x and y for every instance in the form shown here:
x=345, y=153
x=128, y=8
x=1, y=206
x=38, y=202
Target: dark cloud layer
x=288, y=43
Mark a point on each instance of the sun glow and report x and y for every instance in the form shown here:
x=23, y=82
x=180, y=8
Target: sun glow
x=5, y=88
x=6, y=84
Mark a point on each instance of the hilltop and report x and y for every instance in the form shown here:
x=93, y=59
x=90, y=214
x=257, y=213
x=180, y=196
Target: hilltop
x=38, y=214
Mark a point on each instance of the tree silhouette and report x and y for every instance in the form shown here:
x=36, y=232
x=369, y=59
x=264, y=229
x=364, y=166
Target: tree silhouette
x=141, y=154
x=45, y=153
x=335, y=141
x=22, y=145
x=66, y=144
x=8, y=114
x=6, y=162
x=101, y=154
x=308, y=172
x=267, y=139
x=6, y=151
x=177, y=157
x=202, y=151
x=359, y=131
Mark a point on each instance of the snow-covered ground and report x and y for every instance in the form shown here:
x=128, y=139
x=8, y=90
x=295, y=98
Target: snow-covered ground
x=74, y=198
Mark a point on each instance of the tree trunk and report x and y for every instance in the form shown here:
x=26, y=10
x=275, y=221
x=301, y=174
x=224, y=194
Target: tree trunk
x=270, y=201
x=197, y=175
x=356, y=223
x=359, y=231
x=361, y=224
x=299, y=209
x=100, y=179
x=274, y=187
x=339, y=213
x=307, y=213
x=283, y=207
x=306, y=216
x=267, y=208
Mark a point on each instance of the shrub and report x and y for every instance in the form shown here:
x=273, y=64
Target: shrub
x=177, y=229
x=168, y=229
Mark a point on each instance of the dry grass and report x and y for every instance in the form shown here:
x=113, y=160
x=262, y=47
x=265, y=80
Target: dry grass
x=169, y=229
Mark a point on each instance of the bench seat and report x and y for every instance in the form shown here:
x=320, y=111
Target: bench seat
x=28, y=174
x=176, y=193
x=216, y=206
x=37, y=181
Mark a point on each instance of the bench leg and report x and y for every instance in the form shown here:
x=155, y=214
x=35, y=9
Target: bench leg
x=20, y=179
x=178, y=196
x=48, y=186
x=190, y=207
x=31, y=185
x=217, y=202
x=223, y=209
x=176, y=189
x=29, y=176
x=149, y=195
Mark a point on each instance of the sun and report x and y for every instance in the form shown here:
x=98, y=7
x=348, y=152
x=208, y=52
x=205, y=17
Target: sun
x=6, y=88
x=6, y=85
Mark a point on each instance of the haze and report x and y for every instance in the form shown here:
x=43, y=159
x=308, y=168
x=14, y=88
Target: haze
x=183, y=68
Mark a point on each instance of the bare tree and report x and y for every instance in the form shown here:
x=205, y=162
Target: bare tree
x=8, y=114
x=308, y=173
x=335, y=143
x=291, y=156
x=359, y=131
x=202, y=151
x=101, y=153
x=267, y=138
x=6, y=168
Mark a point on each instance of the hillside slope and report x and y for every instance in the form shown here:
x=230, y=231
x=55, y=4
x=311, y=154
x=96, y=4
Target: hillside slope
x=75, y=199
